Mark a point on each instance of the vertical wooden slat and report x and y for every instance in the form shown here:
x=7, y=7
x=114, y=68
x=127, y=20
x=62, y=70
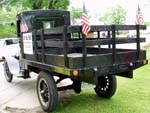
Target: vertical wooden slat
x=98, y=34
x=65, y=46
x=138, y=41
x=108, y=35
x=114, y=43
x=84, y=49
x=35, y=44
x=21, y=45
x=42, y=44
x=79, y=35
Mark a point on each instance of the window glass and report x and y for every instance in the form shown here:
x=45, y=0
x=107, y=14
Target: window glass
x=49, y=22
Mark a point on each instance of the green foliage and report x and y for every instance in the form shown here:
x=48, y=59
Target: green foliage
x=32, y=4
x=76, y=13
x=147, y=23
x=116, y=15
x=36, y=4
x=7, y=31
x=58, y=4
x=6, y=19
x=10, y=8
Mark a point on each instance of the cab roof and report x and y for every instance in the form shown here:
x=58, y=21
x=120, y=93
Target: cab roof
x=45, y=13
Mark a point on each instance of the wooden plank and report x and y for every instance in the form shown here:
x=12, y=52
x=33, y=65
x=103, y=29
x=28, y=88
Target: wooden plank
x=95, y=28
x=105, y=41
x=51, y=43
x=130, y=27
x=90, y=42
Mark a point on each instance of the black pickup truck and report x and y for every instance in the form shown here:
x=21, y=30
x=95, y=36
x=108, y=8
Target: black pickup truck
x=50, y=46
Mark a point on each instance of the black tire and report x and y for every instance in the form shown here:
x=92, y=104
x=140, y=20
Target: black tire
x=47, y=91
x=7, y=72
x=106, y=87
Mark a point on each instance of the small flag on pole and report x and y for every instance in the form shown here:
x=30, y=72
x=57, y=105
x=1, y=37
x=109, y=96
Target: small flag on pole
x=139, y=17
x=85, y=21
x=23, y=26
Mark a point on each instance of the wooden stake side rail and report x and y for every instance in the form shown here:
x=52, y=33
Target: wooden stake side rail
x=66, y=40
x=95, y=28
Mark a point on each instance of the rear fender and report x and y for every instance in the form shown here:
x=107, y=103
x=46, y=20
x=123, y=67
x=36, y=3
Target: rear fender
x=13, y=65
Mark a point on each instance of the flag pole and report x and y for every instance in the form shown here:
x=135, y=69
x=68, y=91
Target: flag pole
x=84, y=49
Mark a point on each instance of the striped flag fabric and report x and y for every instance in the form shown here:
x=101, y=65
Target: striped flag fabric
x=23, y=26
x=86, y=27
x=139, y=17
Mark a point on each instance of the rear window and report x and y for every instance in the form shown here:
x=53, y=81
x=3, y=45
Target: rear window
x=49, y=23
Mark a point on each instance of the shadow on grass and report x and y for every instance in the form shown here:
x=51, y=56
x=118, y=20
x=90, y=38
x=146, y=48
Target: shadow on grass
x=85, y=102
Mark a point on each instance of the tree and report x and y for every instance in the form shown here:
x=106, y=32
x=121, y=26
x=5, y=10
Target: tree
x=76, y=13
x=33, y=4
x=10, y=8
x=37, y=4
x=115, y=16
x=58, y=4
x=46, y=4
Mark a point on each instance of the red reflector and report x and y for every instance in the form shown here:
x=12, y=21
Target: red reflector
x=75, y=73
x=144, y=62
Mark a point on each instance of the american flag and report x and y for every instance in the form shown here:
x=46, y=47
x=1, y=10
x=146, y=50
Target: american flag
x=85, y=21
x=139, y=17
x=23, y=26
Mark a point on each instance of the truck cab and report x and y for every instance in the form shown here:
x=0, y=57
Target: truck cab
x=42, y=19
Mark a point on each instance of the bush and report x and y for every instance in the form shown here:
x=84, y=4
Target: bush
x=7, y=31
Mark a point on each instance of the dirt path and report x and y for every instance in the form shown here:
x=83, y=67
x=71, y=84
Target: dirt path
x=20, y=95
x=19, y=110
x=63, y=96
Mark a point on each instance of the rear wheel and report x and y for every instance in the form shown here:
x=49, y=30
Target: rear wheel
x=7, y=72
x=106, y=87
x=47, y=91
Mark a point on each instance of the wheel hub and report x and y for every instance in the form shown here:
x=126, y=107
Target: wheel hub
x=104, y=83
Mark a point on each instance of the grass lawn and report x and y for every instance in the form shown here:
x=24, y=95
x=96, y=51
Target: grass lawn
x=132, y=96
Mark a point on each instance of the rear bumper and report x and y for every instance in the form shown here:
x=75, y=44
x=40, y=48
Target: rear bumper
x=90, y=74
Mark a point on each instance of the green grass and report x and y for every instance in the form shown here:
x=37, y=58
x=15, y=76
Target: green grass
x=132, y=96
x=147, y=23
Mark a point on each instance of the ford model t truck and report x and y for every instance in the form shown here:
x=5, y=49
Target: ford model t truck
x=50, y=47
